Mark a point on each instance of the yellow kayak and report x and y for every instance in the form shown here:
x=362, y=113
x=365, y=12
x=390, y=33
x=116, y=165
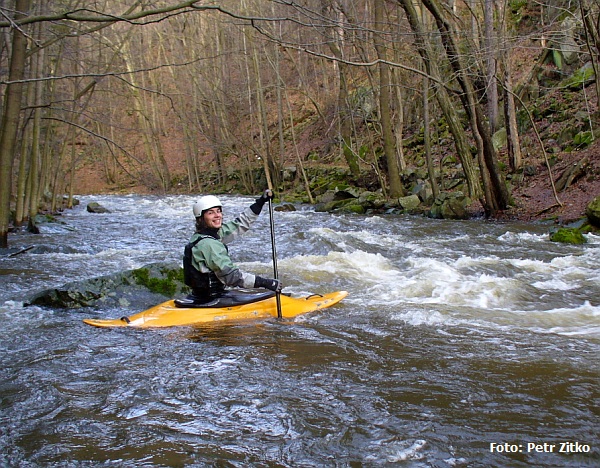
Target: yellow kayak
x=263, y=305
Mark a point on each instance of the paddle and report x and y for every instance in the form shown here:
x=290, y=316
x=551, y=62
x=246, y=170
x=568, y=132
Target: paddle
x=275, y=274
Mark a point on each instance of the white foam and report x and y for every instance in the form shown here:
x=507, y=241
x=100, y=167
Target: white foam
x=346, y=239
x=522, y=237
x=403, y=452
x=435, y=291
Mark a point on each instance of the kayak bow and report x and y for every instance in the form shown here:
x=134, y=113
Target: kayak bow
x=168, y=314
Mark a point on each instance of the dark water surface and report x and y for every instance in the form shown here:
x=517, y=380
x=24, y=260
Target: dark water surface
x=460, y=344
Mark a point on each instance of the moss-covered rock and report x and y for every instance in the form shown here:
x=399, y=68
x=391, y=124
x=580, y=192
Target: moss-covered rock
x=450, y=205
x=167, y=283
x=568, y=236
x=582, y=77
x=374, y=200
x=354, y=207
x=593, y=212
x=144, y=286
x=409, y=203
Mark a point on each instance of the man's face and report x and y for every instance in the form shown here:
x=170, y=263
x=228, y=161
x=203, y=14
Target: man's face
x=213, y=217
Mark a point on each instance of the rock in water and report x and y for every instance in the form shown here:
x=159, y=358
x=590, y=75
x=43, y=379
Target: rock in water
x=95, y=207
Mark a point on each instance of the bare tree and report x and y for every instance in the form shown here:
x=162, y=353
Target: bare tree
x=448, y=107
x=11, y=116
x=496, y=193
x=515, y=158
x=14, y=82
x=490, y=64
x=395, y=183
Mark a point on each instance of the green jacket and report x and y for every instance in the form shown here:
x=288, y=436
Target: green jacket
x=211, y=254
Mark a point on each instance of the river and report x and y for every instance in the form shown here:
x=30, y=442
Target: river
x=461, y=343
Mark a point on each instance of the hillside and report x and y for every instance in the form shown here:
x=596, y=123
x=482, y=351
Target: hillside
x=534, y=198
x=532, y=192
x=566, y=119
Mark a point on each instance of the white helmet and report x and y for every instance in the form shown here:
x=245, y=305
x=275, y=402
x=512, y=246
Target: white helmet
x=206, y=203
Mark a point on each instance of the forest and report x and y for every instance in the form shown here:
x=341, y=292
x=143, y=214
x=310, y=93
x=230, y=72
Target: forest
x=177, y=96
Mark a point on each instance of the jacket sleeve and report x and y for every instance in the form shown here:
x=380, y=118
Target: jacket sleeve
x=231, y=230
x=212, y=255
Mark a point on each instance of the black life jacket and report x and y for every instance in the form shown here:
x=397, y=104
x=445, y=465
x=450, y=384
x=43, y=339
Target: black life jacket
x=204, y=285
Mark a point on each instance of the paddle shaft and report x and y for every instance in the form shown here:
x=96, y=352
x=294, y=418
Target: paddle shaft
x=275, y=274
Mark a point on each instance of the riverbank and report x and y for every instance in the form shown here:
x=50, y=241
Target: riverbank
x=533, y=197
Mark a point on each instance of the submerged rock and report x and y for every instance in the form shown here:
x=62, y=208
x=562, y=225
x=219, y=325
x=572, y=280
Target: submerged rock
x=151, y=284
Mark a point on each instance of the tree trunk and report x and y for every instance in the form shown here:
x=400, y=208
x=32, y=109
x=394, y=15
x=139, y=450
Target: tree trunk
x=427, y=127
x=397, y=95
x=510, y=113
x=515, y=159
x=399, y=121
x=10, y=119
x=343, y=108
x=490, y=52
x=36, y=163
x=396, y=189
x=496, y=193
x=24, y=163
x=592, y=37
x=448, y=107
x=280, y=112
x=427, y=139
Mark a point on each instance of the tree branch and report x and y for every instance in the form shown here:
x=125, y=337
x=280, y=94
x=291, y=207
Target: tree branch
x=84, y=15
x=98, y=76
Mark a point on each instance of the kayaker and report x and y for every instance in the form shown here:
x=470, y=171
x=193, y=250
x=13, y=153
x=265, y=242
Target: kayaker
x=207, y=266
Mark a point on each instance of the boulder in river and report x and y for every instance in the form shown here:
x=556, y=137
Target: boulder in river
x=285, y=207
x=450, y=205
x=568, y=236
x=410, y=202
x=95, y=207
x=148, y=285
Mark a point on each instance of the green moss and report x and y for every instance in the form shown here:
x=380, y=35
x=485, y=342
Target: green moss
x=313, y=156
x=568, y=236
x=516, y=5
x=353, y=208
x=167, y=286
x=583, y=139
x=579, y=78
